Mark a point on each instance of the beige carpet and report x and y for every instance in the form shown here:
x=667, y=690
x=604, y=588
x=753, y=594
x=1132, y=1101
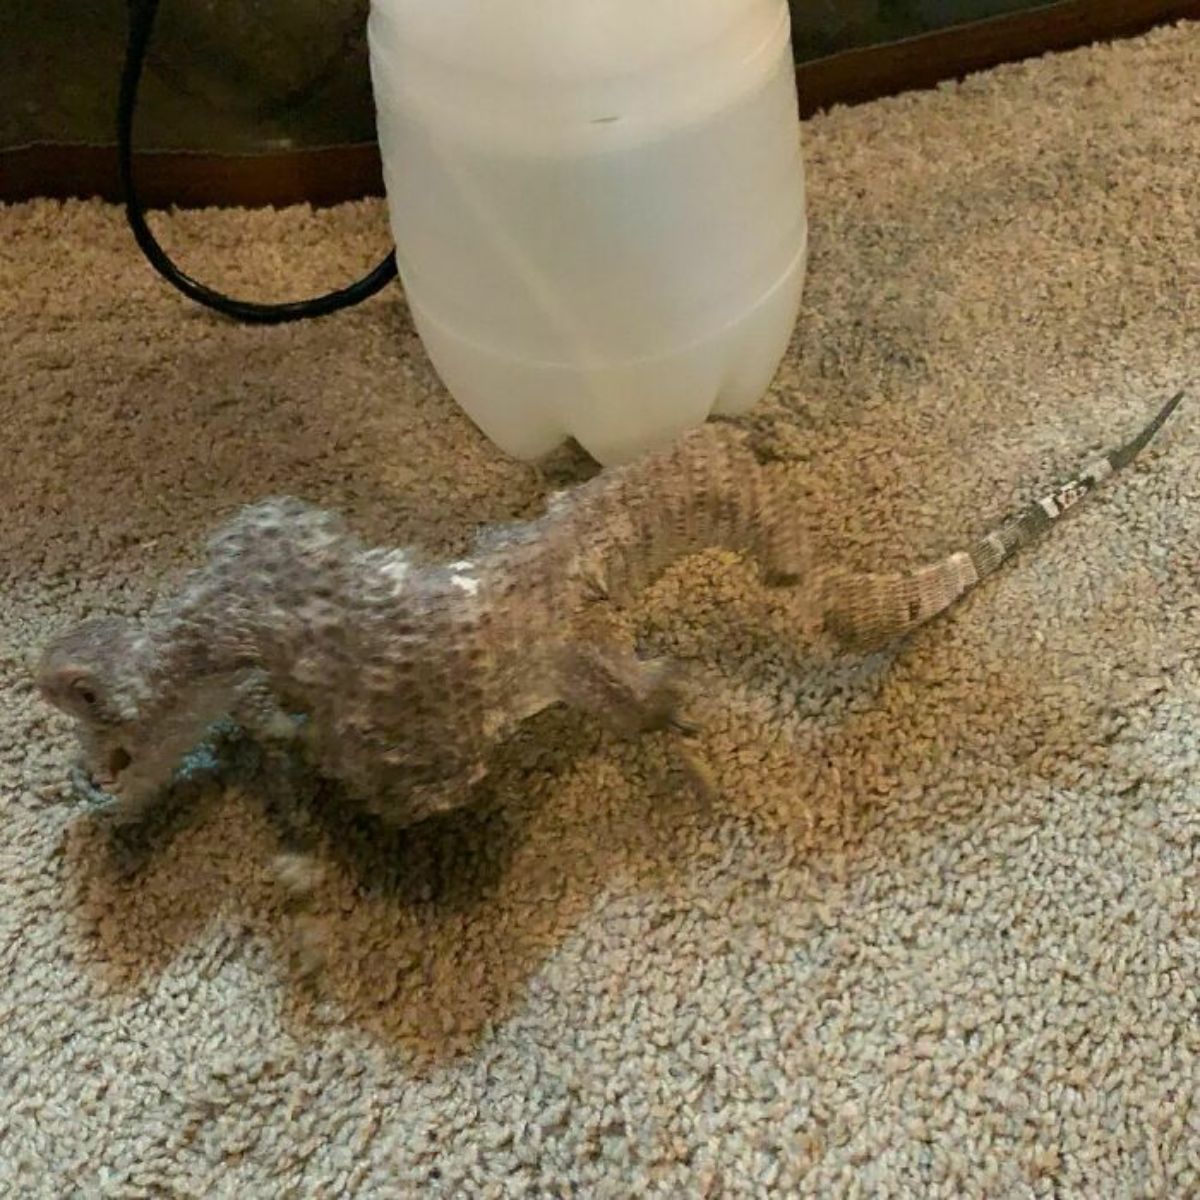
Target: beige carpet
x=937, y=937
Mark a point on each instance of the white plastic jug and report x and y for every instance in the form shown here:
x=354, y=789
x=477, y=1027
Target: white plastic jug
x=598, y=208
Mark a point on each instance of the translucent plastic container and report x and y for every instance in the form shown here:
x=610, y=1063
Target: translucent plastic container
x=598, y=208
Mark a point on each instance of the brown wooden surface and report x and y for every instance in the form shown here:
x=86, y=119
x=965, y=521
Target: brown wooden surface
x=337, y=174
x=318, y=177
x=920, y=62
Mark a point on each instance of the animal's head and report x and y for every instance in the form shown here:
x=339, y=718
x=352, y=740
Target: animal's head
x=99, y=673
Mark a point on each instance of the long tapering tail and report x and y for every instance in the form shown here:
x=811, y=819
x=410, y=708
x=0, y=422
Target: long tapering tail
x=867, y=610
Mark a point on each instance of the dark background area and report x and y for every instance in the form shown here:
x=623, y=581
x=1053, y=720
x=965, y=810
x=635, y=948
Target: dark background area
x=247, y=76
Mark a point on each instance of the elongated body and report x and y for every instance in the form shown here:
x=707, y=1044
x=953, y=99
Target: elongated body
x=397, y=676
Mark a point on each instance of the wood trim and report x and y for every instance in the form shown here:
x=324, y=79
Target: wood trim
x=857, y=76
x=187, y=180
x=336, y=174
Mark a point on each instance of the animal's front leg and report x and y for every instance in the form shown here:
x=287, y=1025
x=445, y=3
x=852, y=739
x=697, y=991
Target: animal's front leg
x=286, y=781
x=285, y=772
x=257, y=710
x=287, y=786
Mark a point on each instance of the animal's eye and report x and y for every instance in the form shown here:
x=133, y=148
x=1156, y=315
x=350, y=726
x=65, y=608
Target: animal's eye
x=88, y=696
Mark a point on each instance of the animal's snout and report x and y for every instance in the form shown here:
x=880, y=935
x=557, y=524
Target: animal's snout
x=117, y=761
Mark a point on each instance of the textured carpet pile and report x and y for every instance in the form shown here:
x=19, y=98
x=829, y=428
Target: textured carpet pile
x=937, y=933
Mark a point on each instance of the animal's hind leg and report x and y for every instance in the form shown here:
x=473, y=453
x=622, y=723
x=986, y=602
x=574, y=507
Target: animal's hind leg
x=628, y=694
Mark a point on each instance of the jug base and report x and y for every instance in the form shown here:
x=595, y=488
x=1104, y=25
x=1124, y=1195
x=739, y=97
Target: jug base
x=619, y=411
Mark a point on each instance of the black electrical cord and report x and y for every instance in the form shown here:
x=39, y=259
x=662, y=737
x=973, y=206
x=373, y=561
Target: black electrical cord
x=141, y=25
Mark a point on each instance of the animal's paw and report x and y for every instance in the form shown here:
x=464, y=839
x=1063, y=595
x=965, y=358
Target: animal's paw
x=659, y=696
x=698, y=772
x=307, y=948
x=298, y=874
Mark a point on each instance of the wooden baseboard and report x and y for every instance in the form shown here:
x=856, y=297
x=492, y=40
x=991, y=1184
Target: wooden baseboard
x=334, y=175
x=176, y=178
x=858, y=76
